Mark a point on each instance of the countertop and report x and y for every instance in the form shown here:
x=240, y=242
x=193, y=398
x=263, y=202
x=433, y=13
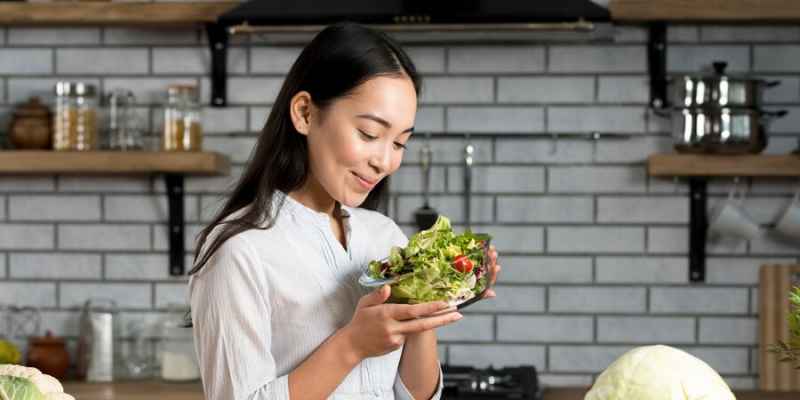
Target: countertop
x=146, y=390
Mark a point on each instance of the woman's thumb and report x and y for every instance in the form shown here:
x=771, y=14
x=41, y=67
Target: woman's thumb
x=378, y=296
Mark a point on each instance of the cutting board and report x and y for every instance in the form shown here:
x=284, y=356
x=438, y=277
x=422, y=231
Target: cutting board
x=776, y=282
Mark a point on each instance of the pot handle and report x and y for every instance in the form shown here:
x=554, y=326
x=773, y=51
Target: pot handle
x=770, y=115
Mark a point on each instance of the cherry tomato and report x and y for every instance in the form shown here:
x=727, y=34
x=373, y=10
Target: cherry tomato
x=462, y=264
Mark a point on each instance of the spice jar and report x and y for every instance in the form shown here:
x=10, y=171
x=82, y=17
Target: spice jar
x=123, y=130
x=176, y=354
x=49, y=354
x=182, y=129
x=75, y=116
x=30, y=126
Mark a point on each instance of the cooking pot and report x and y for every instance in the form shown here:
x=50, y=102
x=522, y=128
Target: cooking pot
x=717, y=90
x=721, y=130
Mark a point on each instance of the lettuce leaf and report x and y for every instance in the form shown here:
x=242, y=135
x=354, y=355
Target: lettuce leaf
x=425, y=265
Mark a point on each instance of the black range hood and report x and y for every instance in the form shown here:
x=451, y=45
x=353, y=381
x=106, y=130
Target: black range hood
x=415, y=15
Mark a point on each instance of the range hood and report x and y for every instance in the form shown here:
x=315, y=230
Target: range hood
x=482, y=17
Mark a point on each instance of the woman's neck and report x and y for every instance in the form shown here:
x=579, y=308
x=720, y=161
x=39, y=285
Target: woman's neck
x=315, y=197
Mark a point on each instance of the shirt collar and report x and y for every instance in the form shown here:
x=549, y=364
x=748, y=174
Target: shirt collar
x=300, y=210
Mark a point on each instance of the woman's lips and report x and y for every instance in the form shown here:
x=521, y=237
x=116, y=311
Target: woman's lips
x=366, y=184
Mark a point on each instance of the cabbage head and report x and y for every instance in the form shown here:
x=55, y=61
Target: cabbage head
x=16, y=388
x=659, y=373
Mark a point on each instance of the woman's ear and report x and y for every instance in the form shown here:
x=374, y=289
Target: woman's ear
x=300, y=107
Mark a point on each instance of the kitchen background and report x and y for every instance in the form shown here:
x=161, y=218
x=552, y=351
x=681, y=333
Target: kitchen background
x=594, y=252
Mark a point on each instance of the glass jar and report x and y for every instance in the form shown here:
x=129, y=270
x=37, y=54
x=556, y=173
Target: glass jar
x=123, y=128
x=182, y=130
x=75, y=116
x=176, y=355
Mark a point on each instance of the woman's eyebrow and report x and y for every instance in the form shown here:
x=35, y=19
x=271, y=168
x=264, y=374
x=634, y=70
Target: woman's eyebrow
x=381, y=121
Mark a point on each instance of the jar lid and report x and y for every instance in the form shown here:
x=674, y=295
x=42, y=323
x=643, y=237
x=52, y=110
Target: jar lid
x=47, y=339
x=65, y=88
x=32, y=108
x=183, y=89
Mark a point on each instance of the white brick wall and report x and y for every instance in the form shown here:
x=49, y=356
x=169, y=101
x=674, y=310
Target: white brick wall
x=52, y=266
x=593, y=251
x=21, y=36
x=588, y=299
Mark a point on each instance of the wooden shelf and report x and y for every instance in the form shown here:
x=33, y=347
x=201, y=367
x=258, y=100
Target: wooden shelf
x=112, y=162
x=717, y=165
x=111, y=13
x=705, y=10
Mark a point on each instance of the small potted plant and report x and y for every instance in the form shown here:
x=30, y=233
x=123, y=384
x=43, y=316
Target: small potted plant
x=790, y=351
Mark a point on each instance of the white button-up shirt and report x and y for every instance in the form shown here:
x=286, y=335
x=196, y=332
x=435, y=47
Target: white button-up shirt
x=268, y=298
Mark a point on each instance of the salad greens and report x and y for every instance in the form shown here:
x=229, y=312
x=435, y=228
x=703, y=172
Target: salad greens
x=437, y=264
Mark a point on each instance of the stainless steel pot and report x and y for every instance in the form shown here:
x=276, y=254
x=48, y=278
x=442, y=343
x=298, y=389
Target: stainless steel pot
x=717, y=90
x=721, y=130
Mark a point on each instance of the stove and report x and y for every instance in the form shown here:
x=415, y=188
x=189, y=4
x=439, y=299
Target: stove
x=469, y=383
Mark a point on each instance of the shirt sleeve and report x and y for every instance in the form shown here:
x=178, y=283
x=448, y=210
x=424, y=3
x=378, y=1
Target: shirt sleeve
x=232, y=334
x=402, y=393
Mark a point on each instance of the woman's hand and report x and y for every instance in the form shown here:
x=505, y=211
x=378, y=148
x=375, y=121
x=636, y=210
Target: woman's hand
x=494, y=269
x=377, y=328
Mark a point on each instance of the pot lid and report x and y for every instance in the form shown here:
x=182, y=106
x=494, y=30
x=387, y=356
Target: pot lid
x=47, y=339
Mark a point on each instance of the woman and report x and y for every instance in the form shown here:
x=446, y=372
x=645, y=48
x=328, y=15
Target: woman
x=276, y=307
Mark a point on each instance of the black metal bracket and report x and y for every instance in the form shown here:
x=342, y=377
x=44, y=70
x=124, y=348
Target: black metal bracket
x=698, y=225
x=176, y=245
x=218, y=43
x=657, y=64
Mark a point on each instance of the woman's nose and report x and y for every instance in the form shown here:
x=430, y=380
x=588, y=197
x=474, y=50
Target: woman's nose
x=381, y=158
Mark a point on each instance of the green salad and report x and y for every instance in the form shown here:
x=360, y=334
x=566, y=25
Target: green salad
x=437, y=264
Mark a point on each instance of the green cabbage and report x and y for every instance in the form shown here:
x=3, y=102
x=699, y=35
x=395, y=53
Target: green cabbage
x=15, y=388
x=425, y=270
x=659, y=373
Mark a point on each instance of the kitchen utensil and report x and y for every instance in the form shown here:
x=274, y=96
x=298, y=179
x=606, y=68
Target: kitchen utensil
x=729, y=218
x=426, y=216
x=30, y=126
x=776, y=281
x=48, y=354
x=96, y=345
x=469, y=152
x=722, y=131
x=789, y=221
x=123, y=130
x=718, y=89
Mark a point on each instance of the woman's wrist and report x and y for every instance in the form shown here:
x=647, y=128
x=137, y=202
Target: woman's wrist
x=346, y=342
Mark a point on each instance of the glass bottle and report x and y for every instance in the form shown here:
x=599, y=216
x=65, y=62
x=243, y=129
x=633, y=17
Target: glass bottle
x=182, y=126
x=75, y=116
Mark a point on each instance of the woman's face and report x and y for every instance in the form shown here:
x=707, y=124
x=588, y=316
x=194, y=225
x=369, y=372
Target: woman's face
x=359, y=139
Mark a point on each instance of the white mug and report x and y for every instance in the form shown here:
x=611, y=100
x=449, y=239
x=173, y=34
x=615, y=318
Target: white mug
x=729, y=219
x=789, y=222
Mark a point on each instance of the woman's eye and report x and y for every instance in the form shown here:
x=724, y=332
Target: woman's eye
x=399, y=146
x=366, y=136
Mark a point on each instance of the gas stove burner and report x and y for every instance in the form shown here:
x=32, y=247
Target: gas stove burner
x=468, y=383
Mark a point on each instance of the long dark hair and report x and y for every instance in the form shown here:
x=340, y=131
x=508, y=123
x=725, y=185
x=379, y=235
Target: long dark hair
x=336, y=61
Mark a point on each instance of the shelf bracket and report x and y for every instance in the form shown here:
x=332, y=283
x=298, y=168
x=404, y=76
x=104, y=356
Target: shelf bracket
x=657, y=64
x=176, y=245
x=698, y=225
x=218, y=43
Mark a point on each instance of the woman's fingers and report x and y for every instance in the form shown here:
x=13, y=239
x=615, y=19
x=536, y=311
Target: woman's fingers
x=402, y=312
x=427, y=323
